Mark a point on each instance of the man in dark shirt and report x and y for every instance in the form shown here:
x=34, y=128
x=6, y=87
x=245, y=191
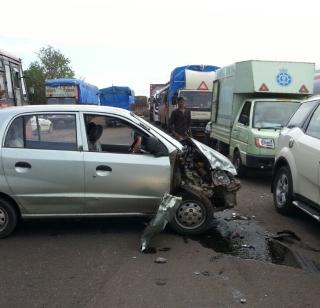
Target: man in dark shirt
x=180, y=120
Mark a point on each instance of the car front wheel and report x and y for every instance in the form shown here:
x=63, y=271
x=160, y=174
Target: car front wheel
x=8, y=218
x=193, y=216
x=282, y=191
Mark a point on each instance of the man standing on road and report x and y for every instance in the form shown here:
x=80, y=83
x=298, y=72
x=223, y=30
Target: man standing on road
x=180, y=120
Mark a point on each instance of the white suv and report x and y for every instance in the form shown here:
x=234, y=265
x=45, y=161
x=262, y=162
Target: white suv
x=296, y=181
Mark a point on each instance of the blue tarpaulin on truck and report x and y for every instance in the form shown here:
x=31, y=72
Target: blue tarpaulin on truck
x=178, y=77
x=121, y=97
x=88, y=93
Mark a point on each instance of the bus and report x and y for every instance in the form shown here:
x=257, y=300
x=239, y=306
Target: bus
x=12, y=84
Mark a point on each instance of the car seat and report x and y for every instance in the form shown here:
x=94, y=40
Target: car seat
x=94, y=133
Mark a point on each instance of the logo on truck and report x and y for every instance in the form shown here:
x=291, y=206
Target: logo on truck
x=283, y=78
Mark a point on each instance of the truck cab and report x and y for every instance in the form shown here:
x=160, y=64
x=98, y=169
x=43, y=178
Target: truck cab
x=256, y=129
x=251, y=102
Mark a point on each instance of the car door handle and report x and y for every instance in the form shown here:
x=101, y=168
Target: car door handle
x=22, y=167
x=23, y=164
x=104, y=168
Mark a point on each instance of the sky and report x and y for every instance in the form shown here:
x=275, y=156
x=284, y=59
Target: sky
x=137, y=42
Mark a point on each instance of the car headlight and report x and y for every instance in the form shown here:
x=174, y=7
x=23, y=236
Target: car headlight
x=265, y=143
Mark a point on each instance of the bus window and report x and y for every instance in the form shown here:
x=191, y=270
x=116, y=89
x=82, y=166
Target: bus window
x=2, y=86
x=24, y=91
x=9, y=82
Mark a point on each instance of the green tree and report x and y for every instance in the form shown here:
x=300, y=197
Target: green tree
x=35, y=79
x=51, y=64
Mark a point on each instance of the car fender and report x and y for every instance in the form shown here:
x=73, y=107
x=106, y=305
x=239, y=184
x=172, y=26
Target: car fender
x=286, y=158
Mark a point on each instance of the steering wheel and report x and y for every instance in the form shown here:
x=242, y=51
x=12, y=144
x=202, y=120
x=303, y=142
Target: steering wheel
x=136, y=145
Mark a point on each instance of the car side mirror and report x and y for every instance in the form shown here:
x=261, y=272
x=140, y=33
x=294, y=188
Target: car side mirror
x=155, y=147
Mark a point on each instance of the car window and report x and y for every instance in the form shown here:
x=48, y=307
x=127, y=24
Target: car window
x=245, y=114
x=43, y=131
x=14, y=138
x=298, y=119
x=314, y=125
x=111, y=134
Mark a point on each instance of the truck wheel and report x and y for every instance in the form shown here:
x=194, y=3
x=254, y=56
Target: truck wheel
x=193, y=216
x=237, y=162
x=282, y=191
x=8, y=218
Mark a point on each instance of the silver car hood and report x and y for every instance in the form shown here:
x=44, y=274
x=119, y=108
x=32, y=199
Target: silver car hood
x=216, y=159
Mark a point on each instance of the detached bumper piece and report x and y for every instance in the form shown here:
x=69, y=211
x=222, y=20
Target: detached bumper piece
x=166, y=211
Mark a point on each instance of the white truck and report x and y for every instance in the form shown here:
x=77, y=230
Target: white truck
x=252, y=101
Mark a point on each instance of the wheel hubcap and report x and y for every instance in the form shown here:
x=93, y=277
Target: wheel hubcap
x=190, y=215
x=3, y=219
x=282, y=190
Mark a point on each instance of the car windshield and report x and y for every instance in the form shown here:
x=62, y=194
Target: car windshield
x=273, y=114
x=197, y=99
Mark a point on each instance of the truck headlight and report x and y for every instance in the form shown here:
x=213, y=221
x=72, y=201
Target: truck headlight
x=265, y=143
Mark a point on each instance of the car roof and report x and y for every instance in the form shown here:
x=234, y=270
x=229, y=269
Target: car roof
x=62, y=108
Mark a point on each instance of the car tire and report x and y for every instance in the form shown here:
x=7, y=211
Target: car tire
x=8, y=218
x=282, y=190
x=193, y=216
x=237, y=162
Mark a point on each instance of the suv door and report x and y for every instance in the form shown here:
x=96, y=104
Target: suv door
x=43, y=165
x=306, y=152
x=117, y=179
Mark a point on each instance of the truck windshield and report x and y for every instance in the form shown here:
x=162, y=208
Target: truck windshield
x=61, y=100
x=197, y=99
x=273, y=114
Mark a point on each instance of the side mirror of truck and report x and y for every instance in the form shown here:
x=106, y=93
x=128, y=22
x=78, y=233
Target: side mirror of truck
x=155, y=147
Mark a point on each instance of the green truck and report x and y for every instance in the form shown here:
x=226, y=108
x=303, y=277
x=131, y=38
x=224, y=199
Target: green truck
x=251, y=102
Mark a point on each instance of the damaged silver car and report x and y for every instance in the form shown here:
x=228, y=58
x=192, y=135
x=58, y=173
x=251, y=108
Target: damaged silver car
x=105, y=162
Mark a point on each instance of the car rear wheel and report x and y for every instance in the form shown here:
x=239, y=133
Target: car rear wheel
x=193, y=216
x=282, y=191
x=8, y=218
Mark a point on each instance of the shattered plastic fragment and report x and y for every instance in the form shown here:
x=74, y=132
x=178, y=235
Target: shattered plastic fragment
x=160, y=260
x=165, y=214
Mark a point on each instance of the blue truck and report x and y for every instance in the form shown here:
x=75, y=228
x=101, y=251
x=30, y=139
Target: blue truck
x=121, y=97
x=71, y=91
x=194, y=83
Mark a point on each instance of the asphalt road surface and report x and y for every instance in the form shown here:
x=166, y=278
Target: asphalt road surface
x=97, y=263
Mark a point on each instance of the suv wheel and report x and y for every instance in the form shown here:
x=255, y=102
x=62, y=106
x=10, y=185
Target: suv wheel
x=282, y=191
x=193, y=216
x=8, y=218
